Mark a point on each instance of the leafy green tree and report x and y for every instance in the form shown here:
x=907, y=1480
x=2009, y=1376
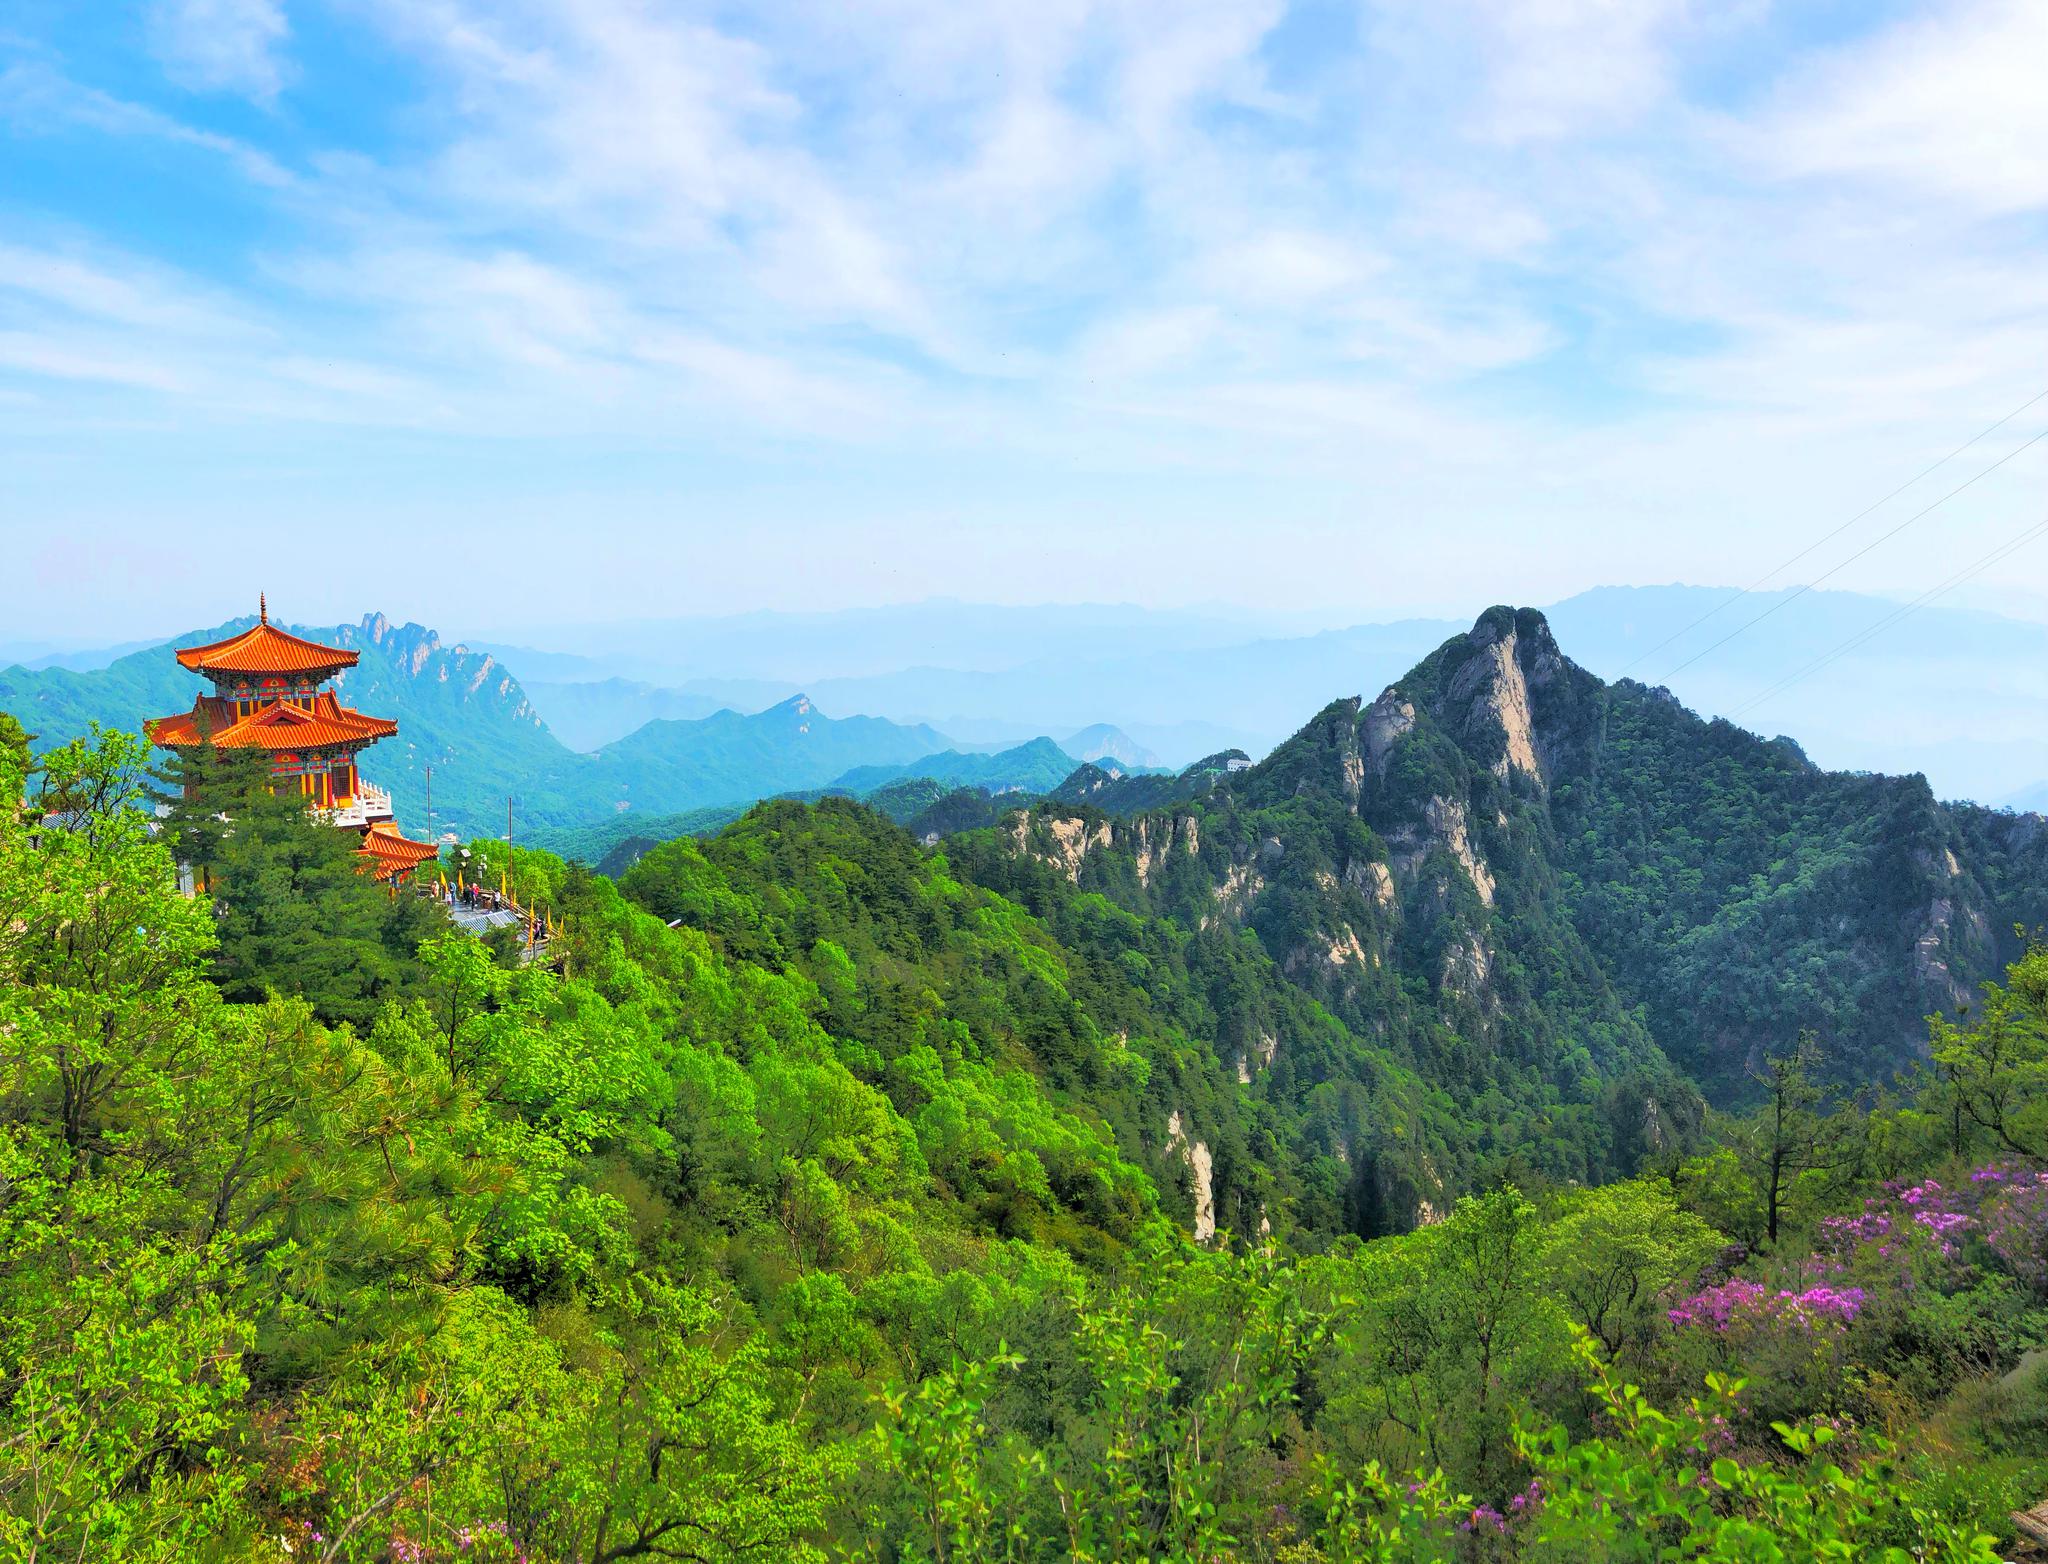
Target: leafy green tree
x=295, y=914
x=1451, y=1326
x=664, y=1443
x=16, y=742
x=1612, y=1252
x=1996, y=1065
x=198, y=1193
x=1791, y=1134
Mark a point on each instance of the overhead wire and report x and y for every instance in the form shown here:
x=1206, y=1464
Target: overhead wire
x=1793, y=596
x=2004, y=551
x=1931, y=468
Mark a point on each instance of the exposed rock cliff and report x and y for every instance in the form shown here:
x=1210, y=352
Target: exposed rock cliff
x=1201, y=1176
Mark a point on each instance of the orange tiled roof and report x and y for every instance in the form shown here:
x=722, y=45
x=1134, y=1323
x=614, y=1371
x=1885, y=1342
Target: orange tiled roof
x=263, y=648
x=383, y=842
x=279, y=726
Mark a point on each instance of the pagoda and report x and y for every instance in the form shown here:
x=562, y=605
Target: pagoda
x=269, y=695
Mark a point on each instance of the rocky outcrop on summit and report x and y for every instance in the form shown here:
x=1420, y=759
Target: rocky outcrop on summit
x=1156, y=841
x=1070, y=837
x=1065, y=840
x=414, y=652
x=1507, y=695
x=1495, y=694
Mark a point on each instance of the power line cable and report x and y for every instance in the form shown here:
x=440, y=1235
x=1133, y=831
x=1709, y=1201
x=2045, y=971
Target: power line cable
x=2004, y=551
x=1793, y=596
x=1747, y=591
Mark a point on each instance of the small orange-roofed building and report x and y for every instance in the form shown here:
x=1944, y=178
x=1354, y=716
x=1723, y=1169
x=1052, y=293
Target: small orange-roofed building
x=394, y=854
x=269, y=695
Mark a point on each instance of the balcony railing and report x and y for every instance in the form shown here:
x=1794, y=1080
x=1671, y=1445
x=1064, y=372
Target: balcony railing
x=371, y=805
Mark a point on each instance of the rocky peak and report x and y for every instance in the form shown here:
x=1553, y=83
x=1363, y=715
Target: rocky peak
x=797, y=710
x=410, y=647
x=1490, y=699
x=1503, y=691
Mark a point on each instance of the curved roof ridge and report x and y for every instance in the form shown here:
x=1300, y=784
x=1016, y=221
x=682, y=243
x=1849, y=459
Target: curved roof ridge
x=263, y=648
x=279, y=725
x=386, y=843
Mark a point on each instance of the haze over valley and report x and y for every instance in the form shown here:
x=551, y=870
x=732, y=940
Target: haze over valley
x=1953, y=694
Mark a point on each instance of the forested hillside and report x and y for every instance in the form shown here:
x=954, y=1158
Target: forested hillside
x=928, y=806
x=1503, y=858
x=821, y=1195
x=1528, y=882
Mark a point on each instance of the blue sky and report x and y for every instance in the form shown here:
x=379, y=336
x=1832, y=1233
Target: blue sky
x=490, y=315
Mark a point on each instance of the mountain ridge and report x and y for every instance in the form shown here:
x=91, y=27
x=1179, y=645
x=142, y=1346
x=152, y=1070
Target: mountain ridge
x=1975, y=717
x=1555, y=863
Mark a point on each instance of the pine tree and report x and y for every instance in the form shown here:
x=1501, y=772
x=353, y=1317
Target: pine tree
x=294, y=911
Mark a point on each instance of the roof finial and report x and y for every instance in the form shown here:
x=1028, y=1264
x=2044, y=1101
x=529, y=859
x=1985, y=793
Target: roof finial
x=263, y=607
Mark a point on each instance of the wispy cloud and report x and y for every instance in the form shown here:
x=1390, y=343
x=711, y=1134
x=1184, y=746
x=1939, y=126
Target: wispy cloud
x=1702, y=263
x=36, y=99
x=1948, y=106
x=222, y=45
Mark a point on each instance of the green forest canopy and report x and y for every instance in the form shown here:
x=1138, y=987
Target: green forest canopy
x=818, y=1201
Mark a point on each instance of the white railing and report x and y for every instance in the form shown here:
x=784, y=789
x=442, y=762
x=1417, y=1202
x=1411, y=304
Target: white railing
x=371, y=804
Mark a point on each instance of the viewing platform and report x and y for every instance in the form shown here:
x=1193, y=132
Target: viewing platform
x=369, y=805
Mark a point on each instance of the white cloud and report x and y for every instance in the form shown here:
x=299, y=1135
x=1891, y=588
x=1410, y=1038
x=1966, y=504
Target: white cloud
x=1289, y=269
x=1158, y=238
x=1564, y=67
x=1146, y=344
x=1516, y=73
x=85, y=357
x=116, y=292
x=1953, y=105
x=36, y=99
x=222, y=45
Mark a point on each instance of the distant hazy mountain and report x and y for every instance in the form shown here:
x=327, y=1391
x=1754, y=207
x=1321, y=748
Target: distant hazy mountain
x=1100, y=741
x=802, y=647
x=1183, y=743
x=1956, y=695
x=78, y=660
x=463, y=713
x=1035, y=767
x=668, y=767
x=1953, y=693
x=1241, y=693
x=588, y=716
x=2032, y=800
